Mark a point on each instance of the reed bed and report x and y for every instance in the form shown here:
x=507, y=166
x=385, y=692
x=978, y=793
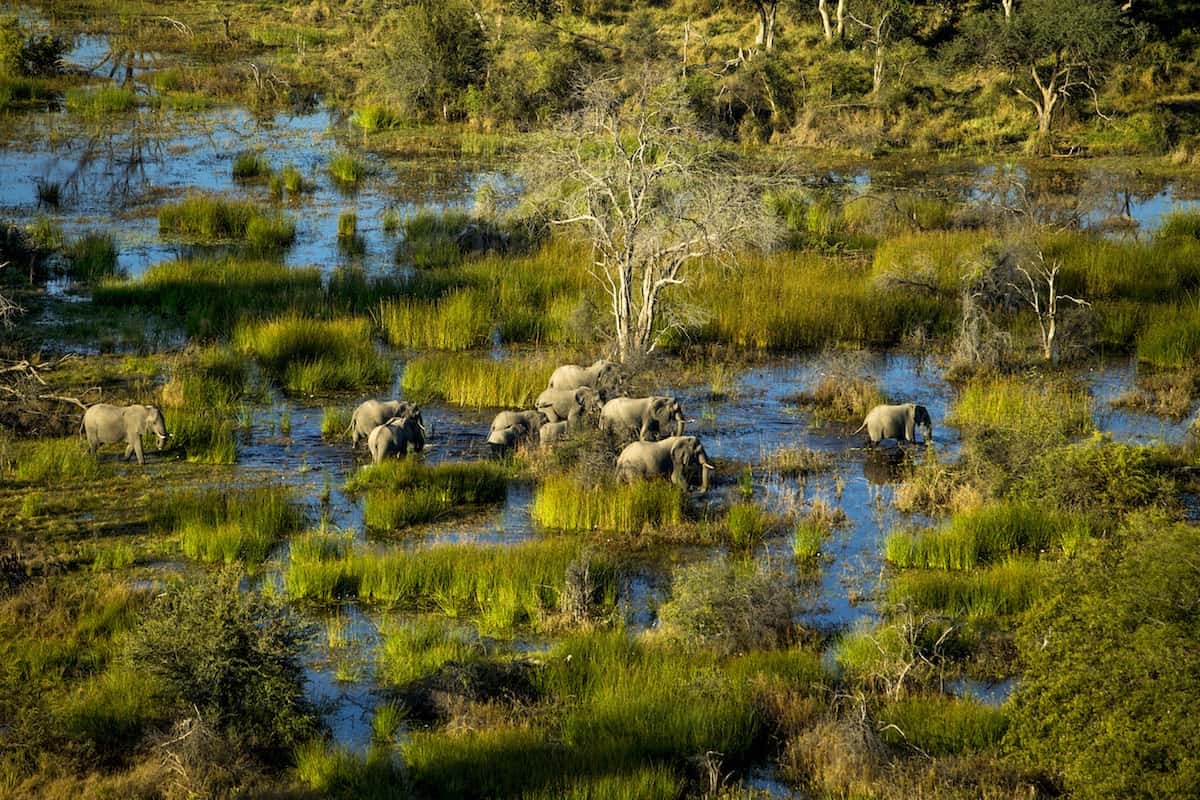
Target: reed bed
x=92, y=256
x=566, y=503
x=941, y=258
x=465, y=483
x=1171, y=339
x=99, y=101
x=986, y=536
x=54, y=461
x=997, y=591
x=1039, y=412
x=418, y=648
x=461, y=320
x=797, y=461
x=311, y=356
x=504, y=587
x=347, y=225
x=842, y=397
x=476, y=382
x=210, y=296
x=938, y=725
x=229, y=524
x=210, y=218
x=1153, y=271
x=1180, y=223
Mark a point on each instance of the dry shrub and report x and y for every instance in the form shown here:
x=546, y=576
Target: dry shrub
x=838, y=757
x=197, y=761
x=934, y=487
x=1166, y=394
x=841, y=395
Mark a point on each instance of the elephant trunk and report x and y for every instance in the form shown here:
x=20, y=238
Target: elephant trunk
x=679, y=425
x=705, y=467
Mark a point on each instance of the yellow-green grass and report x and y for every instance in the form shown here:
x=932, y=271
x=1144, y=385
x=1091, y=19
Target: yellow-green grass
x=461, y=320
x=53, y=461
x=842, y=397
x=112, y=708
x=939, y=725
x=99, y=101
x=117, y=555
x=226, y=525
x=1099, y=476
x=748, y=524
x=92, y=256
x=333, y=771
x=206, y=435
x=1098, y=268
x=1171, y=338
x=347, y=225
x=1041, y=412
x=477, y=381
x=987, y=593
x=566, y=503
x=1180, y=223
x=418, y=648
x=466, y=483
x=373, y=117
x=503, y=587
x=335, y=421
x=792, y=462
x=806, y=301
x=808, y=538
x=249, y=165
x=203, y=217
x=210, y=296
x=313, y=356
x=988, y=535
x=391, y=510
x=16, y=91
x=943, y=257
x=431, y=238
x=347, y=170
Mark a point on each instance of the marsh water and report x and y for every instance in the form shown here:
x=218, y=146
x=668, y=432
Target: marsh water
x=115, y=171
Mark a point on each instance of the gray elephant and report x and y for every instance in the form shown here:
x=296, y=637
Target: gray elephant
x=105, y=424
x=897, y=422
x=394, y=438
x=511, y=428
x=568, y=404
x=641, y=417
x=603, y=376
x=554, y=432
x=372, y=413
x=680, y=458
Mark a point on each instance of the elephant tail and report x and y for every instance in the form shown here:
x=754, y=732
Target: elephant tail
x=860, y=427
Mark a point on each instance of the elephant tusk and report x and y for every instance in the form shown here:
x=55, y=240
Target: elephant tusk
x=708, y=466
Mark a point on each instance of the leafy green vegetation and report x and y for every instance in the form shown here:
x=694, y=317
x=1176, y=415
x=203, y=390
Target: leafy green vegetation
x=311, y=356
x=566, y=503
x=476, y=382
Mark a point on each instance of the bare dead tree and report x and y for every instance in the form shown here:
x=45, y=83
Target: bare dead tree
x=1040, y=292
x=827, y=24
x=8, y=308
x=1007, y=5
x=630, y=176
x=878, y=31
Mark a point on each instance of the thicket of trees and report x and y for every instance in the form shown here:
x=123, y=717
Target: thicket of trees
x=858, y=73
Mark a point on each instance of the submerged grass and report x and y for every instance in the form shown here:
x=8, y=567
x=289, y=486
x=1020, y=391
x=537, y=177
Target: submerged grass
x=503, y=587
x=565, y=503
x=312, y=356
x=476, y=382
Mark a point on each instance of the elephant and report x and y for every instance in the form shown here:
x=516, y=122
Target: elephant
x=510, y=428
x=568, y=404
x=373, y=413
x=897, y=422
x=676, y=457
x=105, y=424
x=395, y=437
x=603, y=376
x=554, y=432
x=642, y=417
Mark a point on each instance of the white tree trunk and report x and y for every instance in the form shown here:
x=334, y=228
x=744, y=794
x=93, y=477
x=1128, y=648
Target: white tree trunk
x=826, y=22
x=1008, y=8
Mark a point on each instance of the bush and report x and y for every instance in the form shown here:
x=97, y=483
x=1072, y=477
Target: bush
x=1122, y=731
x=1099, y=476
x=235, y=656
x=729, y=607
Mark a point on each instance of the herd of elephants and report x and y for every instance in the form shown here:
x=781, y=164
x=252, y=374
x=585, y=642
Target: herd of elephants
x=575, y=395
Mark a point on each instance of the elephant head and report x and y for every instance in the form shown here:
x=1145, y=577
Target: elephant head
x=589, y=401
x=152, y=422
x=413, y=412
x=687, y=454
x=410, y=423
x=607, y=376
x=661, y=413
x=919, y=417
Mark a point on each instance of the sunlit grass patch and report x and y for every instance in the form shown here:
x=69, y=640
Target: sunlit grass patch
x=988, y=535
x=374, y=117
x=92, y=256
x=465, y=483
x=225, y=525
x=564, y=502
x=991, y=592
x=112, y=708
x=459, y=321
x=347, y=170
x=1150, y=271
x=211, y=218
x=52, y=461
x=334, y=771
x=795, y=461
x=312, y=356
x=1171, y=338
x=431, y=238
x=842, y=397
x=418, y=648
x=748, y=524
x=210, y=296
x=477, y=382
x=249, y=165
x=207, y=436
x=1039, y=412
x=101, y=100
x=939, y=725
x=335, y=421
x=1180, y=222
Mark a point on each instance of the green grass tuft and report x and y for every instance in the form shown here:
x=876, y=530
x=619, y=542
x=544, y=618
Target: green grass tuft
x=53, y=461
x=565, y=503
x=226, y=525
x=208, y=218
x=310, y=356
x=476, y=382
x=943, y=726
x=100, y=101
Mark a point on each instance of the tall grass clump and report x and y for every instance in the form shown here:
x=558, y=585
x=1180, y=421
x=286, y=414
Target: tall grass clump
x=389, y=511
x=431, y=237
x=1180, y=223
x=347, y=171
x=333, y=771
x=210, y=296
x=1100, y=268
x=991, y=592
x=347, y=225
x=210, y=218
x=249, y=165
x=461, y=320
x=476, y=382
x=335, y=421
x=1037, y=413
x=464, y=483
x=1171, y=339
x=748, y=524
x=418, y=648
x=841, y=396
x=311, y=356
x=938, y=725
x=566, y=503
x=53, y=461
x=375, y=117
x=987, y=535
x=206, y=435
x=503, y=587
x=230, y=524
x=97, y=102
x=92, y=256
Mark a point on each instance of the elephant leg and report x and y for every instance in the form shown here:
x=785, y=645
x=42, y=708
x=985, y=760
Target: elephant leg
x=137, y=450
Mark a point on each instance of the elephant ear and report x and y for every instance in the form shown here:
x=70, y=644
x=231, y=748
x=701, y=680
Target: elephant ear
x=681, y=449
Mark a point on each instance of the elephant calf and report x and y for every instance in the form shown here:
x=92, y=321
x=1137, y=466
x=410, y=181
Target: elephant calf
x=554, y=432
x=510, y=428
x=568, y=404
x=105, y=424
x=641, y=417
x=679, y=458
x=395, y=437
x=897, y=422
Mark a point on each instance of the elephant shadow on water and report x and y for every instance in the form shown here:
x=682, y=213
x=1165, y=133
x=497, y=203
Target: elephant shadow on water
x=884, y=465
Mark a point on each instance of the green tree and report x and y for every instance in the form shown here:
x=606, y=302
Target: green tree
x=1112, y=669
